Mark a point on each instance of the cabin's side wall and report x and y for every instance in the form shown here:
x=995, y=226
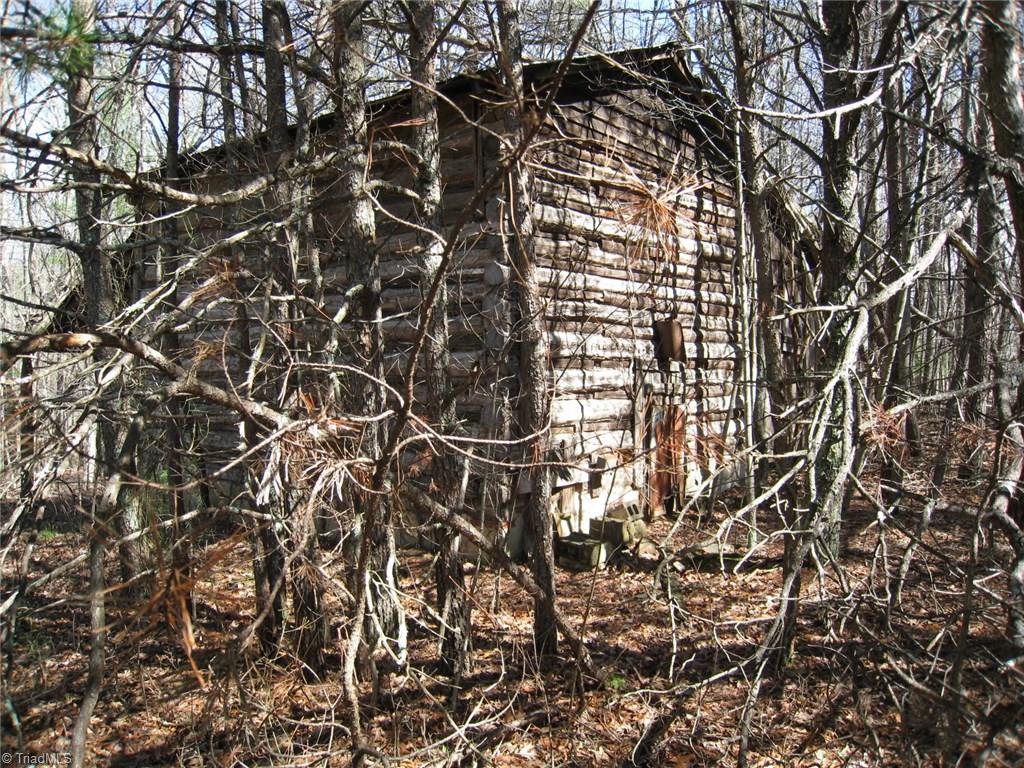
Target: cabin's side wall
x=397, y=237
x=215, y=341
x=227, y=249
x=482, y=371
x=636, y=225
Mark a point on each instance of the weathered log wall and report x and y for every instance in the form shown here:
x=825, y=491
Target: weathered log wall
x=636, y=215
x=635, y=223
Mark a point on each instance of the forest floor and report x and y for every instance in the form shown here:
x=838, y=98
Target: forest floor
x=923, y=683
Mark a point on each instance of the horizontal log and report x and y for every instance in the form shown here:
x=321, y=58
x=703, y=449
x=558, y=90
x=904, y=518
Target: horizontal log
x=575, y=174
x=567, y=344
x=621, y=159
x=591, y=258
x=642, y=143
x=707, y=345
x=471, y=290
x=574, y=444
x=565, y=220
x=675, y=296
x=657, y=306
x=404, y=269
x=629, y=111
x=571, y=410
x=588, y=186
x=597, y=316
x=596, y=381
x=636, y=110
x=407, y=329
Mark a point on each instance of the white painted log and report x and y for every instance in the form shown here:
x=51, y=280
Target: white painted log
x=580, y=411
x=638, y=322
x=578, y=252
x=495, y=308
x=576, y=381
x=575, y=281
x=567, y=411
x=582, y=345
x=567, y=220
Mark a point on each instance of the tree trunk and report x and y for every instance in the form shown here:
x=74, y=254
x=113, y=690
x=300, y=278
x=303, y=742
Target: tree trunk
x=448, y=466
x=1004, y=507
x=97, y=642
x=106, y=509
x=534, y=396
x=840, y=256
x=755, y=203
x=310, y=616
x=295, y=257
x=976, y=300
x=97, y=272
x=98, y=304
x=375, y=579
x=181, y=550
x=272, y=539
x=974, y=340
x=265, y=561
x=98, y=307
x=769, y=395
x=1002, y=53
x=1003, y=84
x=896, y=317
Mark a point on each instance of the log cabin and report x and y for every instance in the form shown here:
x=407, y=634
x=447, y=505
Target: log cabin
x=636, y=224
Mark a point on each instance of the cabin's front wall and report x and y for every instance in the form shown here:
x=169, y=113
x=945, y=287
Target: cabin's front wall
x=635, y=221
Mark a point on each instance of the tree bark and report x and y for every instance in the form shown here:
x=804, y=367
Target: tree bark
x=271, y=536
x=379, y=626
x=98, y=306
x=896, y=316
x=267, y=559
x=296, y=259
x=975, y=341
x=753, y=169
x=107, y=508
x=1004, y=507
x=840, y=255
x=769, y=394
x=181, y=550
x=310, y=616
x=97, y=647
x=534, y=397
x=448, y=466
x=1003, y=83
